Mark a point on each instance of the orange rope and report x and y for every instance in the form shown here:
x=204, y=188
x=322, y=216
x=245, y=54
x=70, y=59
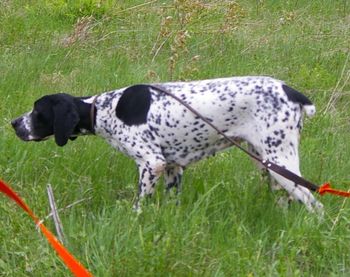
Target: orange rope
x=326, y=188
x=73, y=264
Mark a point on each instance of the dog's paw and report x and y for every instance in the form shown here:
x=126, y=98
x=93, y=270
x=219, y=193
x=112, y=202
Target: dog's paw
x=317, y=208
x=284, y=202
x=137, y=208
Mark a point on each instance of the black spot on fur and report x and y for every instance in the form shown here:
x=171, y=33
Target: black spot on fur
x=296, y=96
x=134, y=104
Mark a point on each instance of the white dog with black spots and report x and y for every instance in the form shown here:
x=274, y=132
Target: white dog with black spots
x=163, y=136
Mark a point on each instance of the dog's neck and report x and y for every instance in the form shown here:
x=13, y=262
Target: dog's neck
x=87, y=114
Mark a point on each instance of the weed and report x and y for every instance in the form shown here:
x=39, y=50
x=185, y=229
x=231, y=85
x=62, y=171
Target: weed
x=81, y=31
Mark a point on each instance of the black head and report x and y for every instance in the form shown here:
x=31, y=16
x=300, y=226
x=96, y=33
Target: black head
x=59, y=115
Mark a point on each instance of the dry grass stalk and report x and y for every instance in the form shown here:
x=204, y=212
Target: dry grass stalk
x=337, y=91
x=81, y=31
x=54, y=211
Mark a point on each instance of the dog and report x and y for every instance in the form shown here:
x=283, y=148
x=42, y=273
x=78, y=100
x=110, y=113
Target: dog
x=163, y=137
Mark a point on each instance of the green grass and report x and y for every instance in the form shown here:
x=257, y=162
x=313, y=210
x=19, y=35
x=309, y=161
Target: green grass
x=228, y=223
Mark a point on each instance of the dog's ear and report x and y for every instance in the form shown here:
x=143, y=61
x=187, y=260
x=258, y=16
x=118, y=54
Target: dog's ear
x=66, y=118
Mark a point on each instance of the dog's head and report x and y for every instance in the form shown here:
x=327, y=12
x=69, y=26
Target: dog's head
x=60, y=115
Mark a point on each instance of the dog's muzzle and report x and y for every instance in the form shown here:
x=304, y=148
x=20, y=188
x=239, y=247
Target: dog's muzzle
x=20, y=128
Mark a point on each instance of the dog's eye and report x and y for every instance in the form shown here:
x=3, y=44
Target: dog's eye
x=38, y=115
x=41, y=117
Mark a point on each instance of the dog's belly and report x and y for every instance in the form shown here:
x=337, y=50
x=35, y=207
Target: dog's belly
x=184, y=155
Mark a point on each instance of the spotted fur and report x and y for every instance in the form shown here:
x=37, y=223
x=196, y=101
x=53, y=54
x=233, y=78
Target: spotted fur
x=163, y=137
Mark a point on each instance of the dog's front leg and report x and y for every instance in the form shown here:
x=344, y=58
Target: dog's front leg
x=149, y=173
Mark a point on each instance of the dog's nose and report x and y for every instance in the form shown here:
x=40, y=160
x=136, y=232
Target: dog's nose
x=15, y=122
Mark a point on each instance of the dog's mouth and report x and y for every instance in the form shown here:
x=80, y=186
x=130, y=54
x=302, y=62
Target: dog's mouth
x=40, y=139
x=24, y=135
x=22, y=127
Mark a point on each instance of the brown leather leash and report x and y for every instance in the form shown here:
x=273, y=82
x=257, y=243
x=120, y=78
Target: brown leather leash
x=296, y=179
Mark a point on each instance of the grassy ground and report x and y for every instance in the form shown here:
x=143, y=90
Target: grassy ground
x=228, y=223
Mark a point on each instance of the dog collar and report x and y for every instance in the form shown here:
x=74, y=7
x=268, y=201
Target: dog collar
x=93, y=115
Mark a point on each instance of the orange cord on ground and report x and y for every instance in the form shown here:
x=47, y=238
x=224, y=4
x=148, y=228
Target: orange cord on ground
x=73, y=264
x=326, y=188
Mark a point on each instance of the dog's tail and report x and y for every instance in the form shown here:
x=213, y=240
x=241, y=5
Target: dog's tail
x=310, y=110
x=297, y=97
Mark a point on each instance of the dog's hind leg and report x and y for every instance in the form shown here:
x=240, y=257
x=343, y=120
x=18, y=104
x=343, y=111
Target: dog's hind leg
x=172, y=178
x=286, y=155
x=274, y=186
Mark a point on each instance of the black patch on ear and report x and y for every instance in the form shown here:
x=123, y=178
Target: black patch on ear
x=66, y=118
x=296, y=96
x=134, y=104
